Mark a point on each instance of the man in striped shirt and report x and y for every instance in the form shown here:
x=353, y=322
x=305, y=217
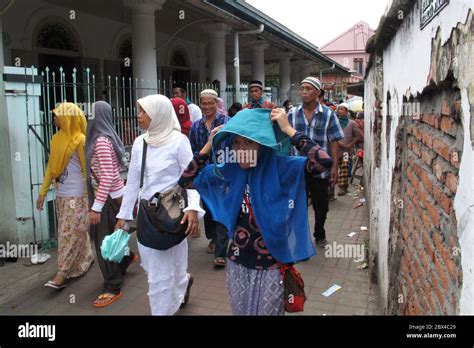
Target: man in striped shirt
x=199, y=136
x=321, y=125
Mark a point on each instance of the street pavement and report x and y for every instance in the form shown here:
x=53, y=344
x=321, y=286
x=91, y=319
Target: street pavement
x=22, y=292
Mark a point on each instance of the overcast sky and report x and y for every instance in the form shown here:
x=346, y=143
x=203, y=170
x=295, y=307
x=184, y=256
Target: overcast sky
x=319, y=21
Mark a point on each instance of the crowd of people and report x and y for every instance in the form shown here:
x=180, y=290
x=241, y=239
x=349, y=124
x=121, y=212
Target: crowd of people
x=251, y=227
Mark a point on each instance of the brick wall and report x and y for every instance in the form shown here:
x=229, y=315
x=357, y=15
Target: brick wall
x=413, y=172
x=429, y=276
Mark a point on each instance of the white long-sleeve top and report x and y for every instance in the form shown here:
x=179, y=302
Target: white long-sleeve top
x=164, y=166
x=195, y=111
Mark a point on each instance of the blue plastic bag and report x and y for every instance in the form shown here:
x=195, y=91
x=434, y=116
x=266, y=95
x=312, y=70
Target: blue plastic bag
x=115, y=246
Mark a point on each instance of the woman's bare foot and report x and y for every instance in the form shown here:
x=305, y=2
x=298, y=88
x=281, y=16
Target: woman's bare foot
x=58, y=279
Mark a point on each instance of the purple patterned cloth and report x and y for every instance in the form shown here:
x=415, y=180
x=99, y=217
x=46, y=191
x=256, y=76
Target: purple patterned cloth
x=254, y=292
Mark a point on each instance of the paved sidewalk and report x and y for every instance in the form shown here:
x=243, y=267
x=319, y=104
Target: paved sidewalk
x=209, y=293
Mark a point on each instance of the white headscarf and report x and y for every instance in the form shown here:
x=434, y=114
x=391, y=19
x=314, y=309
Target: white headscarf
x=164, y=127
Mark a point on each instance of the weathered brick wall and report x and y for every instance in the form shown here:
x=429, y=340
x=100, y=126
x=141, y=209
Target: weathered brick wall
x=395, y=245
x=419, y=173
x=429, y=276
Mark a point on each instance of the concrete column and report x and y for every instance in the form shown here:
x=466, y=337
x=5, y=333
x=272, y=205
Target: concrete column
x=295, y=72
x=285, y=76
x=144, y=43
x=305, y=69
x=258, y=62
x=217, y=58
x=2, y=61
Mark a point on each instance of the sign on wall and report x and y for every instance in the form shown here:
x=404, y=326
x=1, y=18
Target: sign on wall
x=430, y=9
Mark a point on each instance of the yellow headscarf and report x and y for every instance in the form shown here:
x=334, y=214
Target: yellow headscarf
x=70, y=137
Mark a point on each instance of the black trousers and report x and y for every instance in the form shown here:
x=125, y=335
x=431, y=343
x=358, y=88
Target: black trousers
x=111, y=271
x=318, y=189
x=217, y=233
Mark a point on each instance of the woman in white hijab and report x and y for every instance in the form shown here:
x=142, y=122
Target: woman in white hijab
x=168, y=155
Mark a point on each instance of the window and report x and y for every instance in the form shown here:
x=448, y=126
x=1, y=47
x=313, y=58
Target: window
x=359, y=65
x=56, y=36
x=178, y=59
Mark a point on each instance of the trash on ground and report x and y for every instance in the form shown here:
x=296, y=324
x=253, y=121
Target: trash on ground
x=363, y=228
x=352, y=234
x=363, y=266
x=331, y=290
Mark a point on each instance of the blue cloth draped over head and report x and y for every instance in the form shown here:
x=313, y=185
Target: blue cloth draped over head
x=277, y=187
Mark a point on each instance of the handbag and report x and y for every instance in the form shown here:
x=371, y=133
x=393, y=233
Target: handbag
x=293, y=285
x=159, y=218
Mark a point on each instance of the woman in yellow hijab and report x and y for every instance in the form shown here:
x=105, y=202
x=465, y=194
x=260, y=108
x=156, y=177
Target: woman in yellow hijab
x=67, y=168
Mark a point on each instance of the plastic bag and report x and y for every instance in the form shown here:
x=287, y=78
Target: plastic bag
x=115, y=246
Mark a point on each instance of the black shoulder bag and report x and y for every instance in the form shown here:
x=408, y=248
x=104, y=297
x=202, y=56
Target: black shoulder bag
x=159, y=219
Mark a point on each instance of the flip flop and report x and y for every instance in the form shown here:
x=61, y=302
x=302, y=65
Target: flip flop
x=211, y=247
x=105, y=299
x=53, y=285
x=220, y=262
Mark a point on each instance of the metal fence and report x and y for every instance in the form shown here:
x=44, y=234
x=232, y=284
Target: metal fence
x=120, y=92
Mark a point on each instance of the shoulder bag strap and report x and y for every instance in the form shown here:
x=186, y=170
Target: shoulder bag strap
x=142, y=174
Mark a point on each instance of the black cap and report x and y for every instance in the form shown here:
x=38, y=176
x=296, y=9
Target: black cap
x=180, y=85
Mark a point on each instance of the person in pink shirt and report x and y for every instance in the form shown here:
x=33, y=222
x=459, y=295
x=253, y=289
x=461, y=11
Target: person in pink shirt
x=352, y=135
x=105, y=156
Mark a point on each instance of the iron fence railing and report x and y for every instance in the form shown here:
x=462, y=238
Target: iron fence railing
x=120, y=92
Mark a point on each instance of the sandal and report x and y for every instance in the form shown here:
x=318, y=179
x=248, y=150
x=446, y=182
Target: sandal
x=322, y=243
x=220, y=262
x=106, y=299
x=53, y=285
x=211, y=247
x=342, y=193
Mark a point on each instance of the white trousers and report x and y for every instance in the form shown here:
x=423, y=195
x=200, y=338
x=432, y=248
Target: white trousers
x=166, y=271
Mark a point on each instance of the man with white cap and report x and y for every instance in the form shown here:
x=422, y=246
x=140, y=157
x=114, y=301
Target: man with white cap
x=257, y=101
x=198, y=136
x=352, y=136
x=320, y=123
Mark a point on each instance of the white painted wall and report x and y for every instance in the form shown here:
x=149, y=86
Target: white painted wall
x=464, y=207
x=406, y=66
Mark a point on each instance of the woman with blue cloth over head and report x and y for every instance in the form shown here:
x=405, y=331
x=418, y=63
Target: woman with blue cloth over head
x=262, y=203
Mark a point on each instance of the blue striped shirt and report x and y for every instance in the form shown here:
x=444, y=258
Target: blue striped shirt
x=199, y=134
x=323, y=129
